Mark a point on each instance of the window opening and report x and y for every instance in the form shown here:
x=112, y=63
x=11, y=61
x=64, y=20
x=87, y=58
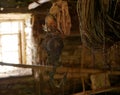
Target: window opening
x=15, y=47
x=10, y=37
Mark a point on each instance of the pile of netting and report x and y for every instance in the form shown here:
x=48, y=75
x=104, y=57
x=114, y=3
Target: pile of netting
x=99, y=22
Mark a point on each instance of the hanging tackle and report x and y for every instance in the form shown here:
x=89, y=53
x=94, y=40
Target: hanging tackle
x=53, y=45
x=57, y=25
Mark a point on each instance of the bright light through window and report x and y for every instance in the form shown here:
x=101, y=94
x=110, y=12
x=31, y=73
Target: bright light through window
x=9, y=27
x=15, y=45
x=10, y=48
x=10, y=41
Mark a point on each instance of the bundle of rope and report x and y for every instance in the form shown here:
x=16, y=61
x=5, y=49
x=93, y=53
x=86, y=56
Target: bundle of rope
x=99, y=22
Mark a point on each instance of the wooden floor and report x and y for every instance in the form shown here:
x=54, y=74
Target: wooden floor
x=26, y=85
x=17, y=86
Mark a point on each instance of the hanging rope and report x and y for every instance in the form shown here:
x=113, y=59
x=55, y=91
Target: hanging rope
x=92, y=15
x=79, y=7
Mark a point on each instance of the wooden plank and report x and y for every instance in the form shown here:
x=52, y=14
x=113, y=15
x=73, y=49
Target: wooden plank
x=69, y=76
x=64, y=69
x=25, y=66
x=24, y=10
x=87, y=70
x=38, y=78
x=98, y=91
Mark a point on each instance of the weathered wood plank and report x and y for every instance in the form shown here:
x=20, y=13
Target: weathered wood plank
x=97, y=91
x=25, y=66
x=64, y=69
x=69, y=76
x=23, y=10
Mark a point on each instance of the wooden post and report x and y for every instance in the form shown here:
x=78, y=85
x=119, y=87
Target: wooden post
x=82, y=66
x=38, y=78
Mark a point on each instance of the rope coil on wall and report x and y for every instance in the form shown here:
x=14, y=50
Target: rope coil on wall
x=92, y=20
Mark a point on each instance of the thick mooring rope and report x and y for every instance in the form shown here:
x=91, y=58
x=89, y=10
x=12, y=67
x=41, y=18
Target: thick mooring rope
x=93, y=14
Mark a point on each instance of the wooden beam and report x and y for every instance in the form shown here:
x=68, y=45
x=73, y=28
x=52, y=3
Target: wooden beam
x=62, y=69
x=25, y=66
x=68, y=76
x=23, y=10
x=97, y=91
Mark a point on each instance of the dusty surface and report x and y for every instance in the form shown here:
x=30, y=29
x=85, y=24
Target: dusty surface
x=7, y=71
x=17, y=86
x=11, y=84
